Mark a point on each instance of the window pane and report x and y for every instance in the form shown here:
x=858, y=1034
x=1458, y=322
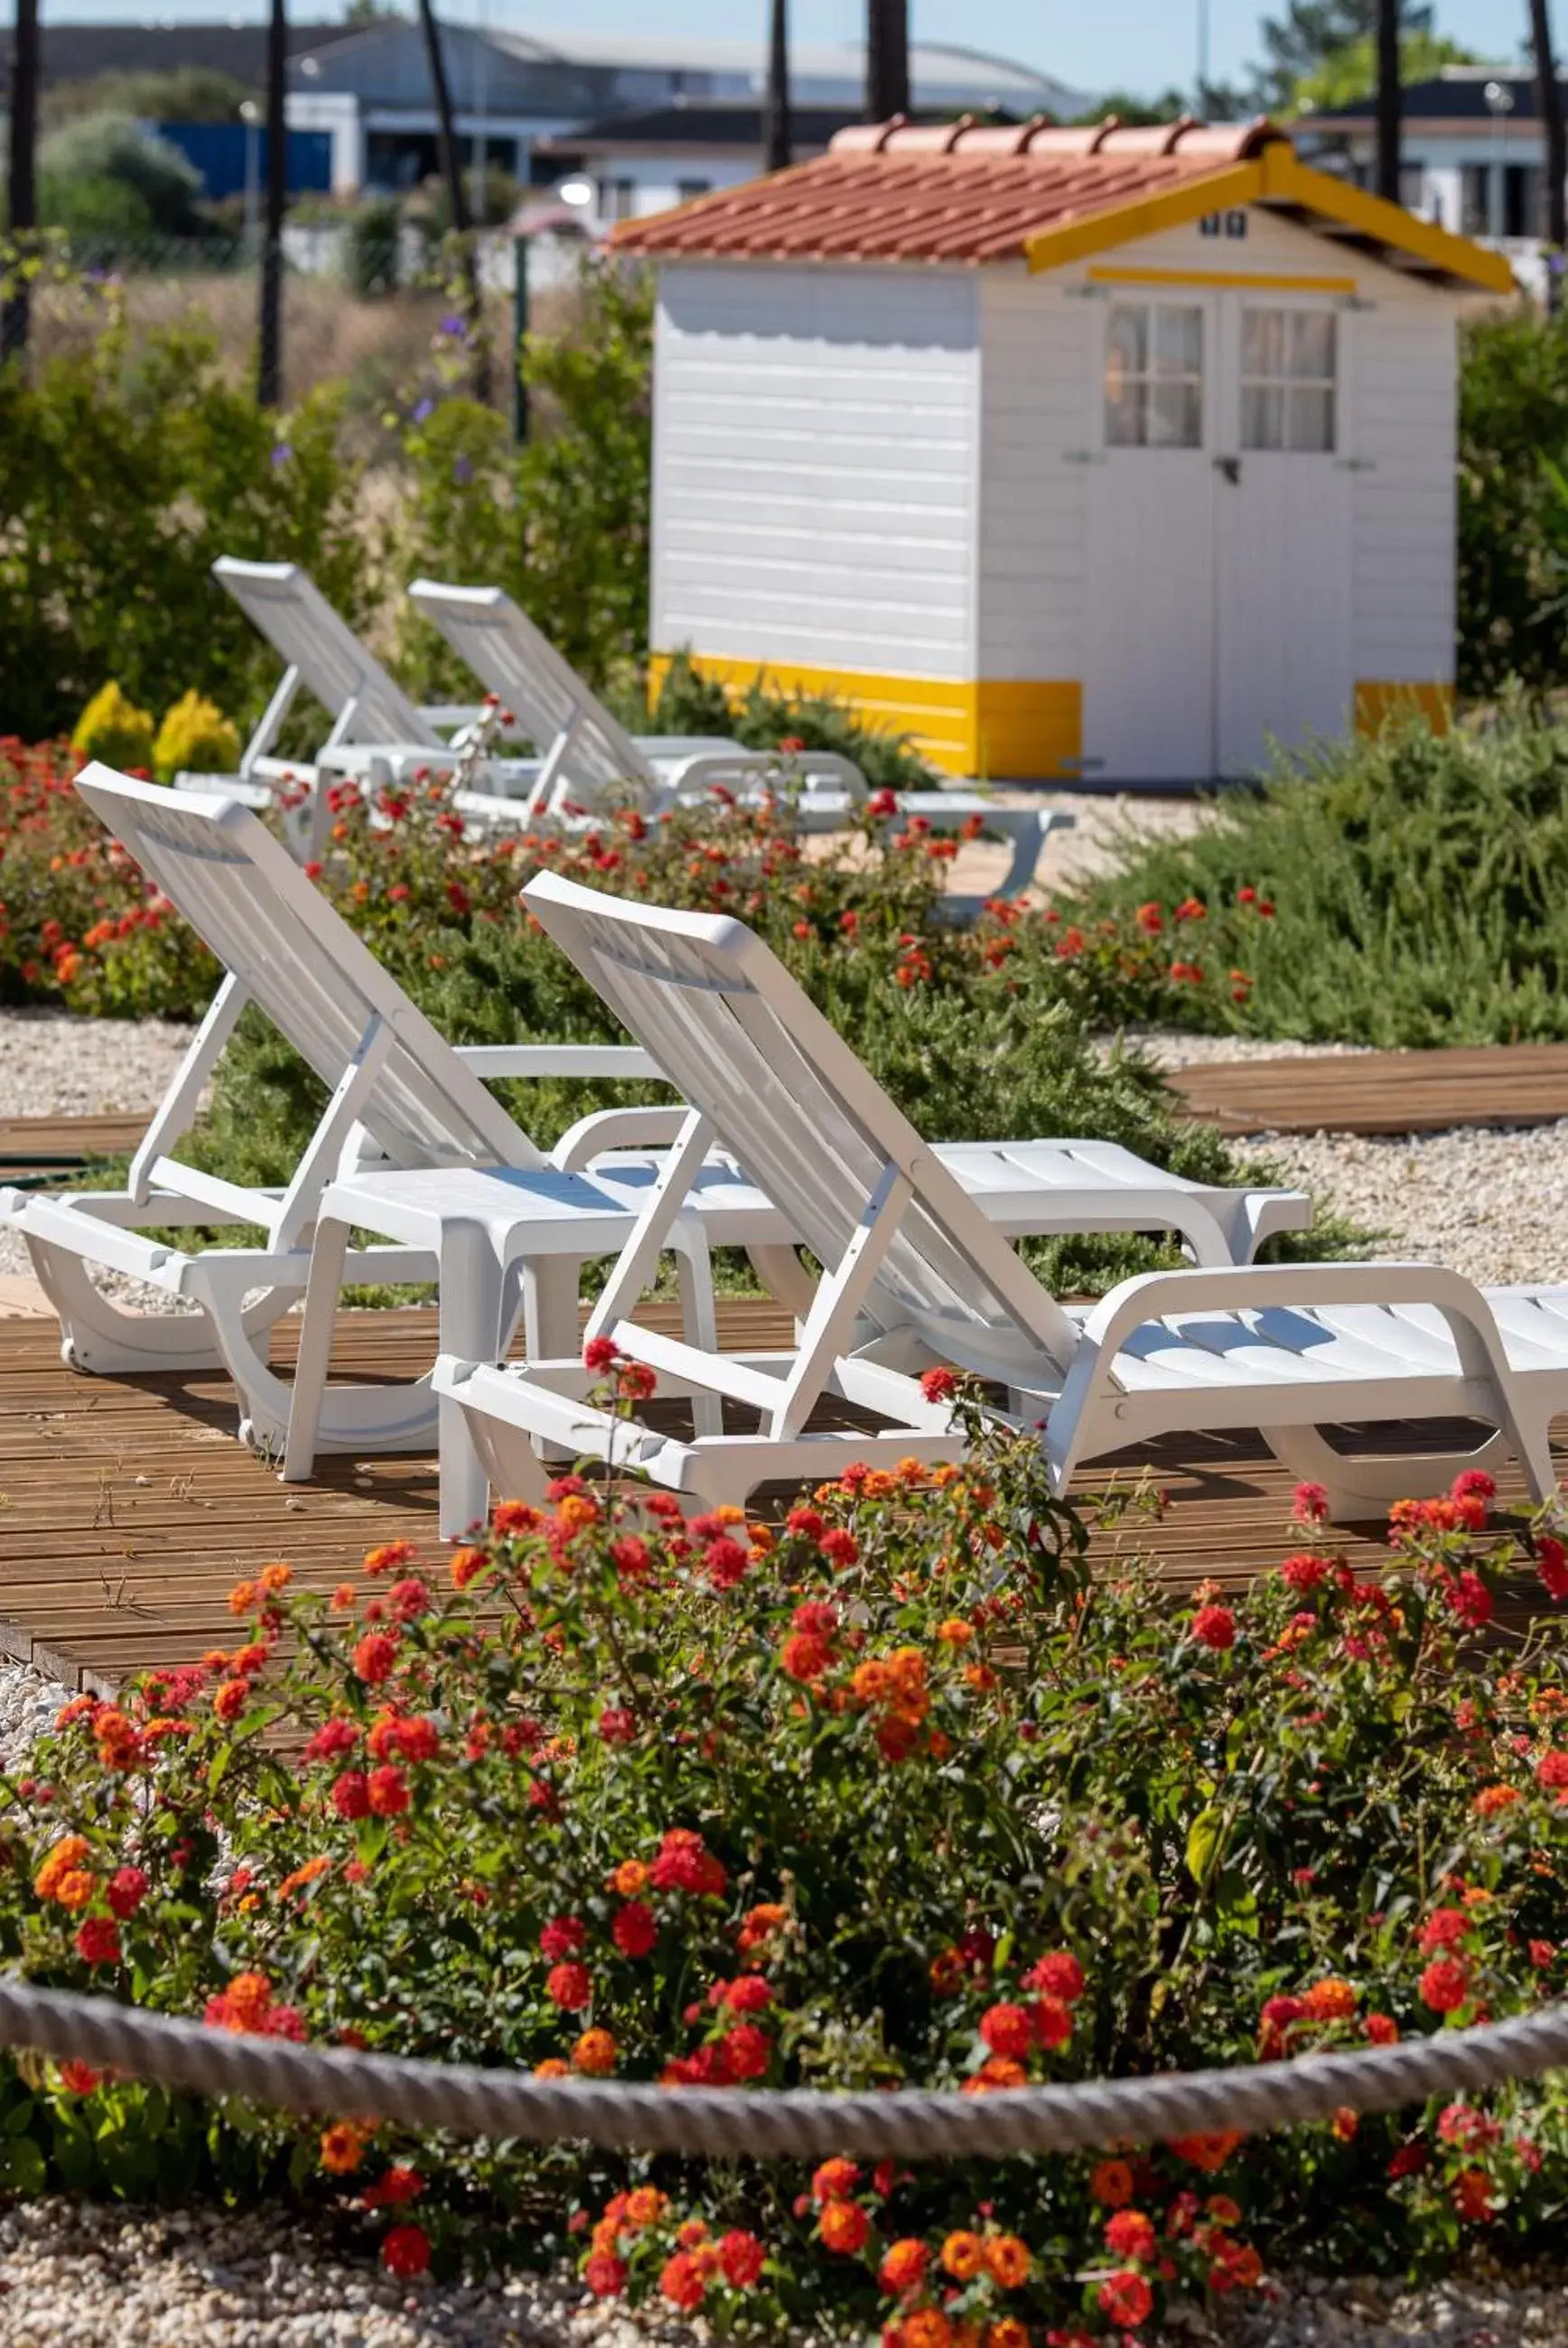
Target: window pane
x=1127, y=341
x=1263, y=342
x=1175, y=416
x=1312, y=341
x=1126, y=414
x=1178, y=341
x=1311, y=419
x=1261, y=417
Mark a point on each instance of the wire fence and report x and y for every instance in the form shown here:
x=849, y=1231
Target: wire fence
x=794, y=2125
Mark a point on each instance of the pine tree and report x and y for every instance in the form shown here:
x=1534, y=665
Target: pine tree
x=1310, y=31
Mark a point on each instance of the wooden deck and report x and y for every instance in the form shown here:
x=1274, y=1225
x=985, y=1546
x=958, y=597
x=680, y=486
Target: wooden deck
x=127, y=1509
x=51, y=1145
x=1380, y=1092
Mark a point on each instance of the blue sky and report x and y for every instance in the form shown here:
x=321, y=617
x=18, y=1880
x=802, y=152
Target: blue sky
x=1141, y=44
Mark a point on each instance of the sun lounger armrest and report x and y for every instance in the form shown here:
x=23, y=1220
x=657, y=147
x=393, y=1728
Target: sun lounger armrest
x=652, y=1128
x=725, y=767
x=1254, y=1287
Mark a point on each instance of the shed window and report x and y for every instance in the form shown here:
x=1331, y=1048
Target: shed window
x=1289, y=362
x=1155, y=376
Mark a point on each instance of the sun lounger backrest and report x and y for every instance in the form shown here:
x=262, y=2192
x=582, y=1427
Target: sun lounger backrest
x=287, y=607
x=746, y=1046
x=497, y=642
x=244, y=895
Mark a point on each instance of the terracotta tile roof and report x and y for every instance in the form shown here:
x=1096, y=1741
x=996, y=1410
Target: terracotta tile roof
x=953, y=191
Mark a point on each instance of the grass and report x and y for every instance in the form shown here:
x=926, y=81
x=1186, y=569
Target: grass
x=1421, y=883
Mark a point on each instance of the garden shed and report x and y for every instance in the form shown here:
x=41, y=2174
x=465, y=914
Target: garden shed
x=1104, y=453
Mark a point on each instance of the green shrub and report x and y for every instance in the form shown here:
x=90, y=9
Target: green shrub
x=126, y=468
x=114, y=147
x=1512, y=501
x=95, y=208
x=890, y=1795
x=195, y=735
x=763, y=716
x=1421, y=883
x=370, y=248
x=112, y=728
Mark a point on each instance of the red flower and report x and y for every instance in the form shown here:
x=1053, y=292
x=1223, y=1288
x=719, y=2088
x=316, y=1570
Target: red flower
x=903, y=2268
x=375, y=1656
x=939, y=1386
x=1472, y=2196
x=1552, y=1775
x=882, y=803
x=630, y=1556
x=1126, y=2299
x=1129, y=2235
x=351, y=1795
x=844, y=2226
x=1409, y=2160
x=387, y=1789
x=601, y=1354
x=563, y=1936
x=98, y=1942
x=1445, y=1985
x=745, y=2052
x=634, y=1929
x=840, y=1547
x=683, y=2282
x=725, y=1562
x=835, y=2180
x=1552, y=1564
x=1306, y=1571
x=128, y=1887
x=1058, y=1974
x=1052, y=2022
x=1309, y=1504
x=806, y=1522
x=616, y=1724
x=750, y=1994
x=605, y=2275
x=1215, y=1626
x=803, y=1656
x=231, y=1699
x=333, y=1737
x=1445, y=1928
x=1468, y=1598
x=1007, y=2030
x=406, y=2251
x=569, y=1986
x=1382, y=2029
x=741, y=2256
x=685, y=1864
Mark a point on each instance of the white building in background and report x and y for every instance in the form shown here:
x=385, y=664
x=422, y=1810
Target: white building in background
x=689, y=106
x=1472, y=155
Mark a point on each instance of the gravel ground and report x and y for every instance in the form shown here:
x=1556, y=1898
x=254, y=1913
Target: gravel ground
x=28, y=1703
x=75, y=2275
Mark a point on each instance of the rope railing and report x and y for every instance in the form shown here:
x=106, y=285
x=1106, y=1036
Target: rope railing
x=762, y=2125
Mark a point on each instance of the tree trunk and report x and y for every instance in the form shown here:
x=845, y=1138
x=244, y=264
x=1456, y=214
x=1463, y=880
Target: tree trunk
x=22, y=191
x=1388, y=99
x=887, y=59
x=270, y=317
x=1555, y=173
x=462, y=222
x=777, y=137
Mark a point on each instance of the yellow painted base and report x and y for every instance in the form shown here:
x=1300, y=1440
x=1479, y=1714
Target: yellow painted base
x=1377, y=703
x=1000, y=728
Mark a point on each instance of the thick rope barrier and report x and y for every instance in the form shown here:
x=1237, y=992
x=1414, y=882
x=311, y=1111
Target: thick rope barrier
x=798, y=2124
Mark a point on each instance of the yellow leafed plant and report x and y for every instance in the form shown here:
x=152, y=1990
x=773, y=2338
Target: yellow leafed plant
x=195, y=735
x=111, y=727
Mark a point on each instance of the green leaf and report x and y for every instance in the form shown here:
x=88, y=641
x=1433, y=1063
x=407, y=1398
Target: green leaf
x=1204, y=1839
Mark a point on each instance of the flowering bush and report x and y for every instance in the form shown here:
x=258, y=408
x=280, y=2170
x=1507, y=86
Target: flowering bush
x=887, y=1792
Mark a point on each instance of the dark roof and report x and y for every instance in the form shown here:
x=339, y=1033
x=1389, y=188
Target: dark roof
x=704, y=125
x=81, y=52
x=1461, y=99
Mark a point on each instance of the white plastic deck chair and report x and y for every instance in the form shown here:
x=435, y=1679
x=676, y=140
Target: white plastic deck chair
x=916, y=1274
x=399, y=1095
x=590, y=761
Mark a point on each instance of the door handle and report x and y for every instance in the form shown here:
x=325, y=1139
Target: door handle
x=1231, y=468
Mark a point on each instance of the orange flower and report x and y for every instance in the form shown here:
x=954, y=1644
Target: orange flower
x=1209, y=2153
x=275, y=1578
x=1330, y=2001
x=630, y=1878
x=343, y=2148
x=645, y=2207
x=66, y=1855
x=595, y=2054
x=760, y=1924
x=242, y=1598
x=308, y=1873
x=903, y=2267
x=834, y=2180
x=1112, y=2184
x=870, y=1683
x=1008, y=2260
x=1007, y=2334
x=578, y=1510
x=927, y=2328
x=963, y=2256
x=552, y=2067
x=75, y=1888
x=954, y=1632
x=231, y=1699
x=843, y=2226
x=466, y=1564
x=997, y=2071
x=389, y=1556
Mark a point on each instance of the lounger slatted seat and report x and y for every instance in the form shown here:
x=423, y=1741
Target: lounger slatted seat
x=917, y=1274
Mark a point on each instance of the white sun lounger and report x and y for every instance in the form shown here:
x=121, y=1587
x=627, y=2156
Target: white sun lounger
x=915, y=1275
x=589, y=760
x=404, y=1097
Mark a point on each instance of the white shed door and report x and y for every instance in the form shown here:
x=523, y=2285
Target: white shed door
x=1148, y=684
x=1282, y=539
x=1218, y=521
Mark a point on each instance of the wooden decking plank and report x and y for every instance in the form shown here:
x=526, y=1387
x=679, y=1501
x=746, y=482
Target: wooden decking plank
x=1380, y=1092
x=35, y=1145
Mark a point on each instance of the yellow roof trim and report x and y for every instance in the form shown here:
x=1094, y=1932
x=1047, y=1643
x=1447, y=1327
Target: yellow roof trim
x=1101, y=230
x=1287, y=181
x=1276, y=177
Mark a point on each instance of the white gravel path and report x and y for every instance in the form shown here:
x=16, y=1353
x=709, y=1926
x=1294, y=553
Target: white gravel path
x=28, y=1703
x=77, y=2275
